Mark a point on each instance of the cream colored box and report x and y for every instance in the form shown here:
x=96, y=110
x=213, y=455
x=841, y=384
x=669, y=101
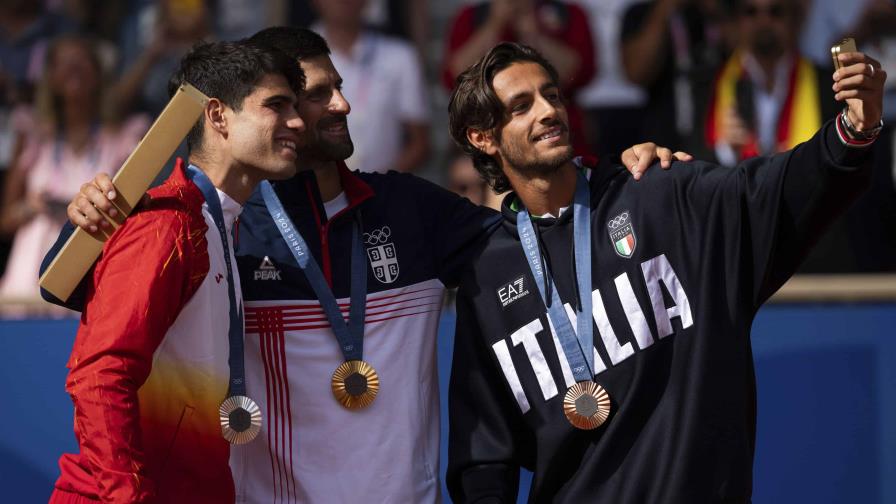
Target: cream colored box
x=131, y=182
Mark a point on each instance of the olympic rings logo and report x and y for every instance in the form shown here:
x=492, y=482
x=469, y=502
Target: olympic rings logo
x=377, y=236
x=618, y=221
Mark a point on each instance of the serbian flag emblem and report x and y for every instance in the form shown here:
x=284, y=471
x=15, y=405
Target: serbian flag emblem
x=622, y=234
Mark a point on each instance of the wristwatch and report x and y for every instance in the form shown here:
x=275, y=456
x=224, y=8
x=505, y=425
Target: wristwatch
x=868, y=134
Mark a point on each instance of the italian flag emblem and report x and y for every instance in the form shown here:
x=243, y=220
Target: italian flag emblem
x=622, y=234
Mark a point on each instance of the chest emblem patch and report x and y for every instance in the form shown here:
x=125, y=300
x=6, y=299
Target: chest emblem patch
x=382, y=255
x=622, y=234
x=511, y=291
x=266, y=270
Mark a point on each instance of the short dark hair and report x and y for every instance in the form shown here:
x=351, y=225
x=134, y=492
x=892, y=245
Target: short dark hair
x=229, y=71
x=474, y=104
x=297, y=43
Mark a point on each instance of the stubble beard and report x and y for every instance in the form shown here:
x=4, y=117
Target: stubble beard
x=326, y=151
x=540, y=166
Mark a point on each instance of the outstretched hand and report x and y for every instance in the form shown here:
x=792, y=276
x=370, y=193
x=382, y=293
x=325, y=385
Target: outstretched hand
x=638, y=158
x=860, y=83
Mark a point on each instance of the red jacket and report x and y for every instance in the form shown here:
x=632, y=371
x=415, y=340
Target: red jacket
x=149, y=363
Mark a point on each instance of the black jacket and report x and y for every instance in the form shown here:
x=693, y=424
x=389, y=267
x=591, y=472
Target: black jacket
x=672, y=331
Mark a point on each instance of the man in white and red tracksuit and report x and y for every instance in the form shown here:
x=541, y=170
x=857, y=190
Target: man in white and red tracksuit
x=149, y=367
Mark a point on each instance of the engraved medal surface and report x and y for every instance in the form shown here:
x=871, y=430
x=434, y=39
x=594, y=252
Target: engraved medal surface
x=586, y=405
x=240, y=419
x=355, y=384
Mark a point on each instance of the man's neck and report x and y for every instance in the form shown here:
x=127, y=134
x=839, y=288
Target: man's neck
x=545, y=193
x=230, y=178
x=329, y=183
x=769, y=68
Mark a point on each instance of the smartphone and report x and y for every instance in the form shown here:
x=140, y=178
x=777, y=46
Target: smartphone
x=846, y=45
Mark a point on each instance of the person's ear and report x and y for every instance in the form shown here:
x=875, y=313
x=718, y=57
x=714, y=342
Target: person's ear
x=483, y=140
x=215, y=116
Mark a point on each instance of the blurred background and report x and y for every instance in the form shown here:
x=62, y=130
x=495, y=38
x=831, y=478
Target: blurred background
x=81, y=81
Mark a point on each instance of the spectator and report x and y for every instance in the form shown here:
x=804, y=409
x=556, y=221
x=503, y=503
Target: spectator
x=16, y=120
x=25, y=29
x=766, y=97
x=613, y=106
x=664, y=43
x=464, y=180
x=236, y=19
x=408, y=19
x=875, y=31
x=74, y=138
x=100, y=18
x=558, y=30
x=405, y=19
x=864, y=239
x=825, y=20
x=159, y=33
x=385, y=85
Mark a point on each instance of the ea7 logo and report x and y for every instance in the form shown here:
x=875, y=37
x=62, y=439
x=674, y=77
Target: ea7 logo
x=266, y=270
x=512, y=291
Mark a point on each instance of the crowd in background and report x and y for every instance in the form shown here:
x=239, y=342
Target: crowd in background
x=81, y=80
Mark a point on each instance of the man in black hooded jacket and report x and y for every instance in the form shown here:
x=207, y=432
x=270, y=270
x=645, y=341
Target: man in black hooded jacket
x=655, y=401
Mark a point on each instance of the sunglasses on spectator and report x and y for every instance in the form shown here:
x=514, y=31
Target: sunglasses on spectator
x=775, y=11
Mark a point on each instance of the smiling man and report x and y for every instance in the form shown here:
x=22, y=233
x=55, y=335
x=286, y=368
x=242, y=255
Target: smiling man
x=149, y=368
x=603, y=332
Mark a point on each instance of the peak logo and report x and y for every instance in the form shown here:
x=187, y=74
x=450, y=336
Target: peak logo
x=512, y=291
x=266, y=270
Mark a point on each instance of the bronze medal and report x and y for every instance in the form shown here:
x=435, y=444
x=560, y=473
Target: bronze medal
x=586, y=405
x=355, y=384
x=240, y=419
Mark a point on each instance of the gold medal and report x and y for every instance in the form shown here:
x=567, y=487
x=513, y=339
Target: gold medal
x=240, y=419
x=355, y=384
x=586, y=405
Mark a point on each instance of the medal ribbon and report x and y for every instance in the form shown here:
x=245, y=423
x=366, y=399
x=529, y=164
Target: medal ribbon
x=237, y=384
x=350, y=335
x=578, y=347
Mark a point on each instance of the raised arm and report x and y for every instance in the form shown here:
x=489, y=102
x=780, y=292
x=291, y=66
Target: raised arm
x=823, y=177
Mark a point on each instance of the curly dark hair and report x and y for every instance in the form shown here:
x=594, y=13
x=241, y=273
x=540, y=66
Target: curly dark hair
x=475, y=105
x=229, y=71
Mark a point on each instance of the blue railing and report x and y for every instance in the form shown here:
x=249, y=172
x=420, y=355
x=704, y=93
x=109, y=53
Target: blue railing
x=826, y=376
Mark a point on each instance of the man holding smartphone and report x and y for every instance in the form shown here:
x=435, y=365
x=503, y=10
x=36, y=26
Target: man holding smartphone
x=603, y=334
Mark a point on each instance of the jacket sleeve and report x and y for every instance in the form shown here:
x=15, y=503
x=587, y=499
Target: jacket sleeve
x=75, y=301
x=819, y=180
x=823, y=178
x=145, y=276
x=488, y=441
x=454, y=227
x=763, y=216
